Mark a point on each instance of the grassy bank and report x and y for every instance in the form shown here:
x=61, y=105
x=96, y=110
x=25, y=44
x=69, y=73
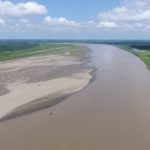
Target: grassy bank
x=144, y=55
x=18, y=50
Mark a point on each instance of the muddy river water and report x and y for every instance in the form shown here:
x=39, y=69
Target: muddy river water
x=112, y=113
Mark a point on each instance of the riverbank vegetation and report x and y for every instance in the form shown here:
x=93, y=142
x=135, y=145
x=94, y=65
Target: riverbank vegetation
x=18, y=49
x=144, y=55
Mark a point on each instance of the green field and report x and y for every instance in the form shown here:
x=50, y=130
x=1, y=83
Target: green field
x=144, y=55
x=9, y=52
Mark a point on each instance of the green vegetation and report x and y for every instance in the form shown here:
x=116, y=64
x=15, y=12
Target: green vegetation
x=144, y=55
x=14, y=50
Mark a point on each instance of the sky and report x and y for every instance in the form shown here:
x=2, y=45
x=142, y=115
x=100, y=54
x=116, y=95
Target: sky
x=75, y=19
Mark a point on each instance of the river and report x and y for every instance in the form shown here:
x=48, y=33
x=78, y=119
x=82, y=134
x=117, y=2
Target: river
x=112, y=113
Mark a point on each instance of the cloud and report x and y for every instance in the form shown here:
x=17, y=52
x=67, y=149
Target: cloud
x=61, y=21
x=9, y=9
x=133, y=14
x=107, y=24
x=2, y=22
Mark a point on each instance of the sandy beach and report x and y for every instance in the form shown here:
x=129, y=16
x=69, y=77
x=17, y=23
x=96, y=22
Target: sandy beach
x=37, y=82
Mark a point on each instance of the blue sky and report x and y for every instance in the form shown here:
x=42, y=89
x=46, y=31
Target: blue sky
x=68, y=19
x=80, y=10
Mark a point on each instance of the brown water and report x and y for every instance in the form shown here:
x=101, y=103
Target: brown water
x=112, y=113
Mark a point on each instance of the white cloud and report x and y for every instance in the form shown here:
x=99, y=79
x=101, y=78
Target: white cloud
x=2, y=22
x=133, y=13
x=107, y=24
x=9, y=9
x=60, y=22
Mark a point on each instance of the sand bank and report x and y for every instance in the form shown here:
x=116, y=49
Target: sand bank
x=37, y=82
x=22, y=94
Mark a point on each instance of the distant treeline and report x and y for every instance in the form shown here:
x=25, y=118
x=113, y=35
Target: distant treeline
x=12, y=45
x=140, y=45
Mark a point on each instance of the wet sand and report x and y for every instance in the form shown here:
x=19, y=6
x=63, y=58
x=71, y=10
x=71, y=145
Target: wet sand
x=112, y=113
